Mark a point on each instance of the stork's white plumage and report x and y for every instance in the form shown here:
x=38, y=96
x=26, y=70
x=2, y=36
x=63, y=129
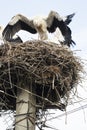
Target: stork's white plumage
x=40, y=25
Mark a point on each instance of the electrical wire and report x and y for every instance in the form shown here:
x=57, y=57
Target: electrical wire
x=69, y=112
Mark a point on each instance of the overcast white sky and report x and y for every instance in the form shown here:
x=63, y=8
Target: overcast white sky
x=31, y=8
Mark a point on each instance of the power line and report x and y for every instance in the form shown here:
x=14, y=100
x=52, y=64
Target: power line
x=70, y=112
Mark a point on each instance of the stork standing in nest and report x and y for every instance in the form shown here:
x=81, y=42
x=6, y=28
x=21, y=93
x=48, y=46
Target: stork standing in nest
x=40, y=25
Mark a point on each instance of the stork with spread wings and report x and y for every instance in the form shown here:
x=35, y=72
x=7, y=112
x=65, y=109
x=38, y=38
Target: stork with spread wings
x=40, y=25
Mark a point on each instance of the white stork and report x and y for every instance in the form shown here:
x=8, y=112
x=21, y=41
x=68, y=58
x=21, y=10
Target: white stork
x=40, y=25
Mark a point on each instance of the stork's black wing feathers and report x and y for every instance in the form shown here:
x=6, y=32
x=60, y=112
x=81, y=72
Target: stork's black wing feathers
x=53, y=25
x=21, y=24
x=68, y=38
x=57, y=23
x=28, y=28
x=69, y=18
x=54, y=21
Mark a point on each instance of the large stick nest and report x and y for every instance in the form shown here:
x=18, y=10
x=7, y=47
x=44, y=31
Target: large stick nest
x=52, y=71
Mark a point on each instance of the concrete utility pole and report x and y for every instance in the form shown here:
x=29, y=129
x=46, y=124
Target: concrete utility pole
x=25, y=110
